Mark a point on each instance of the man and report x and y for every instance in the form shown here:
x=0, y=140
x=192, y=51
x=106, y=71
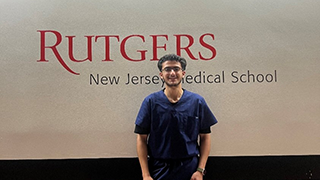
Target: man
x=168, y=126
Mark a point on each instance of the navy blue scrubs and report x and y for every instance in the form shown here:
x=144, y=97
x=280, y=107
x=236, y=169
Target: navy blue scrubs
x=173, y=130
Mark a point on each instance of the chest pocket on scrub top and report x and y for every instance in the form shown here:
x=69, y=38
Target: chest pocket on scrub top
x=189, y=125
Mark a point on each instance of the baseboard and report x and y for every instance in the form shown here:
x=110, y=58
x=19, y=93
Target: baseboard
x=218, y=168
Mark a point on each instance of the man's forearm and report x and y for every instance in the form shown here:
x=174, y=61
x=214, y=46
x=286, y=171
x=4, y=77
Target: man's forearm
x=142, y=152
x=205, y=145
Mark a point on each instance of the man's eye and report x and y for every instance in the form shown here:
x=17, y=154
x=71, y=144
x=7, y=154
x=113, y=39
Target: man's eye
x=169, y=69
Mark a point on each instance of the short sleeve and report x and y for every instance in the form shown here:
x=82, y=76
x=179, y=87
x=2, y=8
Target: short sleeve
x=144, y=115
x=207, y=117
x=141, y=130
x=205, y=131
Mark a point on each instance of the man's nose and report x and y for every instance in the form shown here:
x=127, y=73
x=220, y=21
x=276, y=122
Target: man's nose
x=172, y=71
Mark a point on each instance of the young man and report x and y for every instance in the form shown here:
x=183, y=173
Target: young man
x=168, y=126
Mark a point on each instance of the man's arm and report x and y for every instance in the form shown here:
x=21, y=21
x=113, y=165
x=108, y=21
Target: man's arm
x=205, y=145
x=142, y=152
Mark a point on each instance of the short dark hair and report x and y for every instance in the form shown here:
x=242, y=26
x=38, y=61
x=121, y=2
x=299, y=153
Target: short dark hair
x=172, y=57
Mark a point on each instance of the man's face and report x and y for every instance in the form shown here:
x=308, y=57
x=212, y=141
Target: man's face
x=172, y=73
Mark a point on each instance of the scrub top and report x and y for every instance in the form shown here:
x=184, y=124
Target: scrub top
x=173, y=128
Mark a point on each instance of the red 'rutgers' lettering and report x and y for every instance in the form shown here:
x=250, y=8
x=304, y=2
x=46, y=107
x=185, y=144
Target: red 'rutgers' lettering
x=123, y=49
x=155, y=45
x=124, y=53
x=71, y=56
x=208, y=46
x=107, y=45
x=179, y=48
x=54, y=49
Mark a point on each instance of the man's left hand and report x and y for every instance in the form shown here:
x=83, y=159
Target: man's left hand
x=197, y=176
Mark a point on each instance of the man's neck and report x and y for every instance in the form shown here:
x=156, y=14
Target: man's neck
x=173, y=93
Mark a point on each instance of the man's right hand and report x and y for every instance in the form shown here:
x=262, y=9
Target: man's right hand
x=148, y=178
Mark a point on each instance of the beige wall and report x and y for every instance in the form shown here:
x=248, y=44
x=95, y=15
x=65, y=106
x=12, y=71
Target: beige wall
x=48, y=112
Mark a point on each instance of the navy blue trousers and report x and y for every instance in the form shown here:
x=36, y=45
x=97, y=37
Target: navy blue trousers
x=181, y=169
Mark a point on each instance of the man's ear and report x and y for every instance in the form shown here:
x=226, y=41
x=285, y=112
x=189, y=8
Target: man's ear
x=161, y=75
x=183, y=73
